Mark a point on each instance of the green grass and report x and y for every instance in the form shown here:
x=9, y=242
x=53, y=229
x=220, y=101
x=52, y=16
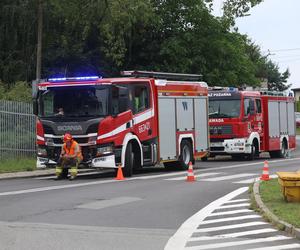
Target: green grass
x=17, y=165
x=298, y=131
x=273, y=199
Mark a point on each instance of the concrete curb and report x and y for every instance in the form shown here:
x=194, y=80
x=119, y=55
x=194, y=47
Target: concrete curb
x=27, y=174
x=35, y=174
x=290, y=229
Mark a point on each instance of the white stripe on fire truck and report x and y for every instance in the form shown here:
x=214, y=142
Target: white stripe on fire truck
x=143, y=117
x=40, y=138
x=118, y=130
x=138, y=119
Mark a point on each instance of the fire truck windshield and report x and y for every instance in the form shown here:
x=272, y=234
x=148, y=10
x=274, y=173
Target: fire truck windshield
x=224, y=108
x=83, y=101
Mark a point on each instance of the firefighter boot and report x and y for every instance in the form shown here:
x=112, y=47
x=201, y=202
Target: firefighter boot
x=58, y=172
x=73, y=173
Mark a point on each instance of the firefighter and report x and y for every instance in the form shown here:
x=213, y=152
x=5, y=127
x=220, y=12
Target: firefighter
x=70, y=157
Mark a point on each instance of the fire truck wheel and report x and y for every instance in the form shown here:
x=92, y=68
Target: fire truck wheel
x=186, y=154
x=283, y=151
x=129, y=161
x=251, y=156
x=280, y=153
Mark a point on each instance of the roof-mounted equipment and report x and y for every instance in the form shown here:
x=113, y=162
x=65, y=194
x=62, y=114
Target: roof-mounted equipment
x=162, y=75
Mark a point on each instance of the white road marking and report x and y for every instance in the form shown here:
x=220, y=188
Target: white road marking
x=249, y=181
x=280, y=247
x=237, y=243
x=231, y=212
x=229, y=177
x=42, y=189
x=196, y=175
x=233, y=235
x=234, y=226
x=245, y=217
x=108, y=203
x=249, y=164
x=179, y=239
x=237, y=200
x=235, y=205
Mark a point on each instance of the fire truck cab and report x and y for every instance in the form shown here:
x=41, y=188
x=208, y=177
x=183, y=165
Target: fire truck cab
x=140, y=119
x=245, y=123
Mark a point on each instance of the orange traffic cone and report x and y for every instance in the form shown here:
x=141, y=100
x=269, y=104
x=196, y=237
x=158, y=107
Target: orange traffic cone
x=120, y=176
x=190, y=176
x=265, y=175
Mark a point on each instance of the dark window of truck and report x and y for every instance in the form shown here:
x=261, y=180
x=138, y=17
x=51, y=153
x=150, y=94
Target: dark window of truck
x=258, y=106
x=140, y=98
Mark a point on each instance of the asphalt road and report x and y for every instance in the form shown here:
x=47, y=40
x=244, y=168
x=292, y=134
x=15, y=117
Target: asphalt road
x=155, y=209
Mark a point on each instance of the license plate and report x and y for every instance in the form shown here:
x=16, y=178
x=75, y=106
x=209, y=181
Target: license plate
x=216, y=144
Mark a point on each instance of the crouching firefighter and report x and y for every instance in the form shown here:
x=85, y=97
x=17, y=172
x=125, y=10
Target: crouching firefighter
x=70, y=157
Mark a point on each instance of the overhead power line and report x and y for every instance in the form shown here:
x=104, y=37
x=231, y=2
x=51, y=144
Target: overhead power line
x=282, y=50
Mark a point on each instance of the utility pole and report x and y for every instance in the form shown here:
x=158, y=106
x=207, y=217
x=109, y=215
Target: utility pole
x=39, y=40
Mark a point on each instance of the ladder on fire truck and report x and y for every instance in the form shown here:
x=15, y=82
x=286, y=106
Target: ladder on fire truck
x=162, y=75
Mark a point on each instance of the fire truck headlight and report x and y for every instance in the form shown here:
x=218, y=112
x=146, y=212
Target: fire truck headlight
x=41, y=151
x=239, y=144
x=92, y=140
x=108, y=149
x=49, y=142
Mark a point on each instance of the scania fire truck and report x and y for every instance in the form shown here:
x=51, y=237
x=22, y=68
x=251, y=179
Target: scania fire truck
x=140, y=119
x=245, y=123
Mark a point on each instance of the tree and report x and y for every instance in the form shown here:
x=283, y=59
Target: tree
x=276, y=80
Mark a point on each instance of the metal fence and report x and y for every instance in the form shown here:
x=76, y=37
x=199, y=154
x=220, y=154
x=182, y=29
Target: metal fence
x=17, y=130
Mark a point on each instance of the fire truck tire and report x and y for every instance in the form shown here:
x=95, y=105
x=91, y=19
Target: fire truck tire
x=129, y=161
x=186, y=154
x=280, y=153
x=283, y=151
x=251, y=156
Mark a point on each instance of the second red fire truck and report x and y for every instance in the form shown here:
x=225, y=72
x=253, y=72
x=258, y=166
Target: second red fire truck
x=245, y=123
x=140, y=119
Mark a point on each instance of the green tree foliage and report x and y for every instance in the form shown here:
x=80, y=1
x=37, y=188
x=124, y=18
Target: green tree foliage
x=103, y=37
x=20, y=91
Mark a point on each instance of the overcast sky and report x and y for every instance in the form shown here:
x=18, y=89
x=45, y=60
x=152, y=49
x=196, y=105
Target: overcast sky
x=275, y=25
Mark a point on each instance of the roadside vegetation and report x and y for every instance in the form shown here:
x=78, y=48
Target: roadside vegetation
x=272, y=197
x=110, y=36
x=298, y=131
x=17, y=165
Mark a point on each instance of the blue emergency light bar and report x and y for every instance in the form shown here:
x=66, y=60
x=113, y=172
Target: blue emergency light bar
x=81, y=78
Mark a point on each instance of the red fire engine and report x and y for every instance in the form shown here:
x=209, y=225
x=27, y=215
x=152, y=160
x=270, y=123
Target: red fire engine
x=140, y=119
x=245, y=123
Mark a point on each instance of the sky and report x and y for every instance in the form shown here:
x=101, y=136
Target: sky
x=274, y=25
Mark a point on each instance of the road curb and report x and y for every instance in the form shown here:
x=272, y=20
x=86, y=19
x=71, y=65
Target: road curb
x=27, y=174
x=35, y=174
x=290, y=229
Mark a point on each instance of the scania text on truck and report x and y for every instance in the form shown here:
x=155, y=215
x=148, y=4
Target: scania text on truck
x=140, y=119
x=245, y=123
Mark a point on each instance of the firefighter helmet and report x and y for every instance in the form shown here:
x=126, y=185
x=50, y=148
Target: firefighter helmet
x=67, y=137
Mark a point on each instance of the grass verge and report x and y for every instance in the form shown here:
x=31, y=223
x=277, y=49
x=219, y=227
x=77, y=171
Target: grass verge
x=273, y=199
x=298, y=131
x=17, y=165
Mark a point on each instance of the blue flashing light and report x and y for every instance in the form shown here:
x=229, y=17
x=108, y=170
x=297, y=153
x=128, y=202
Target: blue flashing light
x=81, y=78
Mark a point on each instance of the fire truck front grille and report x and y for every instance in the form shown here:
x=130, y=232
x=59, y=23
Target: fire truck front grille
x=79, y=140
x=48, y=129
x=220, y=130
